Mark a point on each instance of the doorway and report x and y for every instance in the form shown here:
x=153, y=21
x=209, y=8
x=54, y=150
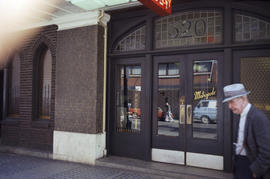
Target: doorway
x=187, y=113
x=176, y=117
x=129, y=125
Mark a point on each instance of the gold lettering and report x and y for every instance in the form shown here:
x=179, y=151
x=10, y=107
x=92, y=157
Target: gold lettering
x=201, y=94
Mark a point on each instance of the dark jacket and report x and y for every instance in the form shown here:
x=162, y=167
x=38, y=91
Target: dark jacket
x=257, y=142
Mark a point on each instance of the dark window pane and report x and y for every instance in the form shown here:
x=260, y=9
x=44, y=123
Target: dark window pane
x=14, y=87
x=45, y=85
x=257, y=83
x=128, y=90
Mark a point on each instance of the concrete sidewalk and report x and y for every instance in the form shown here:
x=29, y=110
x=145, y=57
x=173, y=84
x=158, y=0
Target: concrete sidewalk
x=13, y=166
x=162, y=169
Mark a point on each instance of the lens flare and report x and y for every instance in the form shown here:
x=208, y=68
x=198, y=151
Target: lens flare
x=15, y=17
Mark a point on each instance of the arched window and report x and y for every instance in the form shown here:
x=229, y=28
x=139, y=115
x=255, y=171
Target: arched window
x=42, y=83
x=14, y=87
x=250, y=28
x=132, y=42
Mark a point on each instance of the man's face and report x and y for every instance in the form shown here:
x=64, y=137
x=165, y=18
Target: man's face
x=237, y=105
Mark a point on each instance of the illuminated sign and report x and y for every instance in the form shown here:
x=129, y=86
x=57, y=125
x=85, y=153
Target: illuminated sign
x=161, y=7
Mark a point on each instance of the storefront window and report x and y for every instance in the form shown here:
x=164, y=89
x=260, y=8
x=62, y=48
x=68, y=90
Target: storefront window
x=205, y=119
x=168, y=95
x=128, y=98
x=189, y=28
x=132, y=42
x=258, y=82
x=248, y=28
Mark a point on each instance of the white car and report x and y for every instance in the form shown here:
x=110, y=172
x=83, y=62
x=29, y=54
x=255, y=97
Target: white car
x=206, y=111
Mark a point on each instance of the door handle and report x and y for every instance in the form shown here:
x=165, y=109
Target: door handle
x=189, y=114
x=182, y=113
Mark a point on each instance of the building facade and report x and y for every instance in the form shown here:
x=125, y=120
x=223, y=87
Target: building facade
x=143, y=86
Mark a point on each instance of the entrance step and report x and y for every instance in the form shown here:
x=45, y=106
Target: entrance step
x=162, y=169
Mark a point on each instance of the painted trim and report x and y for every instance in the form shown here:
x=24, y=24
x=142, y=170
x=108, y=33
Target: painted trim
x=78, y=147
x=168, y=156
x=74, y=21
x=205, y=161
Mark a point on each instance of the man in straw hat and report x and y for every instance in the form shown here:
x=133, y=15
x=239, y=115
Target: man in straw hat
x=252, y=146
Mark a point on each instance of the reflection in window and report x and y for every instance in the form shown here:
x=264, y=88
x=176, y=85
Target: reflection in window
x=167, y=102
x=247, y=28
x=168, y=69
x=258, y=82
x=205, y=99
x=43, y=83
x=14, y=87
x=128, y=90
x=189, y=28
x=132, y=42
x=136, y=70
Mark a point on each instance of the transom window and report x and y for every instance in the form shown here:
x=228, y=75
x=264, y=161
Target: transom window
x=248, y=28
x=189, y=28
x=132, y=42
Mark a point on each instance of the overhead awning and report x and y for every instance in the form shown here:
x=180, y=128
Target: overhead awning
x=103, y=4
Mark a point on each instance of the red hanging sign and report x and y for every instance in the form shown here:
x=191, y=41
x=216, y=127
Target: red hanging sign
x=161, y=7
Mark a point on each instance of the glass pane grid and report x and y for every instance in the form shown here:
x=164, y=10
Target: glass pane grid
x=248, y=28
x=189, y=29
x=259, y=67
x=132, y=42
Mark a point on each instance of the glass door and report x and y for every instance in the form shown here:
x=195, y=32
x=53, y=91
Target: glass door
x=187, y=122
x=168, y=137
x=129, y=123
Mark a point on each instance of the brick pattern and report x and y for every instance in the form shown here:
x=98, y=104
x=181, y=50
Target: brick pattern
x=27, y=131
x=79, y=83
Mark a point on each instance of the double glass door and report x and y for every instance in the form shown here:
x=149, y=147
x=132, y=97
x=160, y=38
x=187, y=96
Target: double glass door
x=168, y=109
x=187, y=122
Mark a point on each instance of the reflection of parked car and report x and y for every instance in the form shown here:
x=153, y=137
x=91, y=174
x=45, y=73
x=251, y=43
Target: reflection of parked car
x=206, y=111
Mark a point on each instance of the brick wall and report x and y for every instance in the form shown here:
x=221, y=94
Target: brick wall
x=79, y=83
x=26, y=131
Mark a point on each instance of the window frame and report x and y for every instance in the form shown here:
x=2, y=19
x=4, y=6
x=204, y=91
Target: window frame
x=38, y=64
x=9, y=85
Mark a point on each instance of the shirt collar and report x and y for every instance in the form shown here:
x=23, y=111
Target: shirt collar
x=245, y=111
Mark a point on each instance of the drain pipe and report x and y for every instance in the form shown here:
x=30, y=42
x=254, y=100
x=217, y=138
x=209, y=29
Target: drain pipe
x=102, y=14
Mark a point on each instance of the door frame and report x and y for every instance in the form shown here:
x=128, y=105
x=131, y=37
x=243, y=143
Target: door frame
x=143, y=139
x=188, y=147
